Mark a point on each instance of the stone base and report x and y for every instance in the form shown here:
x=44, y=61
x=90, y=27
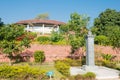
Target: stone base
x=101, y=72
x=89, y=68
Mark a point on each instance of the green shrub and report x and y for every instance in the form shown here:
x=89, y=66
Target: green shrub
x=43, y=39
x=62, y=68
x=62, y=42
x=118, y=68
x=79, y=77
x=20, y=72
x=108, y=57
x=62, y=78
x=73, y=62
x=55, y=37
x=70, y=62
x=108, y=64
x=76, y=43
x=101, y=40
x=89, y=76
x=39, y=56
x=71, y=78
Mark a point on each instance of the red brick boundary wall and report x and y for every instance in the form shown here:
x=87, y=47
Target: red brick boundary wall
x=53, y=52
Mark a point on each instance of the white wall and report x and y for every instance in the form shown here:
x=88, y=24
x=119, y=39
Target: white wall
x=39, y=29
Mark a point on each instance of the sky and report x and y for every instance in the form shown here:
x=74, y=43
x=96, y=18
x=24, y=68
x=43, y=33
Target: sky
x=12, y=11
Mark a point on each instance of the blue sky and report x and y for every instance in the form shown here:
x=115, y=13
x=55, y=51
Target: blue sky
x=12, y=11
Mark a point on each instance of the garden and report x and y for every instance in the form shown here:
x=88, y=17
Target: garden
x=14, y=40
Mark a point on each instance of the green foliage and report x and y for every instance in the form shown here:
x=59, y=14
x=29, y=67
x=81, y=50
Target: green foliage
x=64, y=28
x=101, y=40
x=29, y=35
x=78, y=24
x=71, y=62
x=87, y=76
x=1, y=23
x=118, y=68
x=56, y=41
x=76, y=43
x=43, y=39
x=11, y=32
x=8, y=43
x=39, y=56
x=79, y=77
x=62, y=42
x=44, y=16
x=108, y=57
x=114, y=37
x=107, y=18
x=109, y=64
x=77, y=21
x=55, y=37
x=20, y=72
x=62, y=68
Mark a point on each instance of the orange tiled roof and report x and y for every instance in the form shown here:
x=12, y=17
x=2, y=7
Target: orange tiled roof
x=40, y=21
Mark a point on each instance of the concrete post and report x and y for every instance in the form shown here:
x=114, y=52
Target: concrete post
x=43, y=27
x=28, y=27
x=90, y=49
x=58, y=29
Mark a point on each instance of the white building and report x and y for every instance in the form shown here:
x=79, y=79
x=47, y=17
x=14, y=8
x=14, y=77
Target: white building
x=41, y=26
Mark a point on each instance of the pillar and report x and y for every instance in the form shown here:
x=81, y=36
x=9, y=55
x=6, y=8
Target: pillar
x=43, y=29
x=90, y=49
x=58, y=29
x=28, y=27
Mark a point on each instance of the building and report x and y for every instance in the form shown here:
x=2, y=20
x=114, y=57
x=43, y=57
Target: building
x=41, y=26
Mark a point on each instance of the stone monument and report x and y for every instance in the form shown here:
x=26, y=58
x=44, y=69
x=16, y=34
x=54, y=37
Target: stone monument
x=90, y=63
x=90, y=49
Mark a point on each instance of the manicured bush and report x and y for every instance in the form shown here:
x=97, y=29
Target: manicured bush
x=62, y=68
x=20, y=72
x=39, y=56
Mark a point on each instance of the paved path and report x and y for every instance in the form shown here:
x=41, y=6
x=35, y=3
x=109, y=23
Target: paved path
x=102, y=73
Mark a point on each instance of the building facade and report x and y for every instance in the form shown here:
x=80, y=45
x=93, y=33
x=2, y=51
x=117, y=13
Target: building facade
x=41, y=26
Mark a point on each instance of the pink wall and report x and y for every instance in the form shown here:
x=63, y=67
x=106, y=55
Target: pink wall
x=53, y=52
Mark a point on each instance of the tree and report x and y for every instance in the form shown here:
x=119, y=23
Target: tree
x=78, y=23
x=75, y=30
x=1, y=23
x=107, y=18
x=115, y=37
x=43, y=16
x=8, y=43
